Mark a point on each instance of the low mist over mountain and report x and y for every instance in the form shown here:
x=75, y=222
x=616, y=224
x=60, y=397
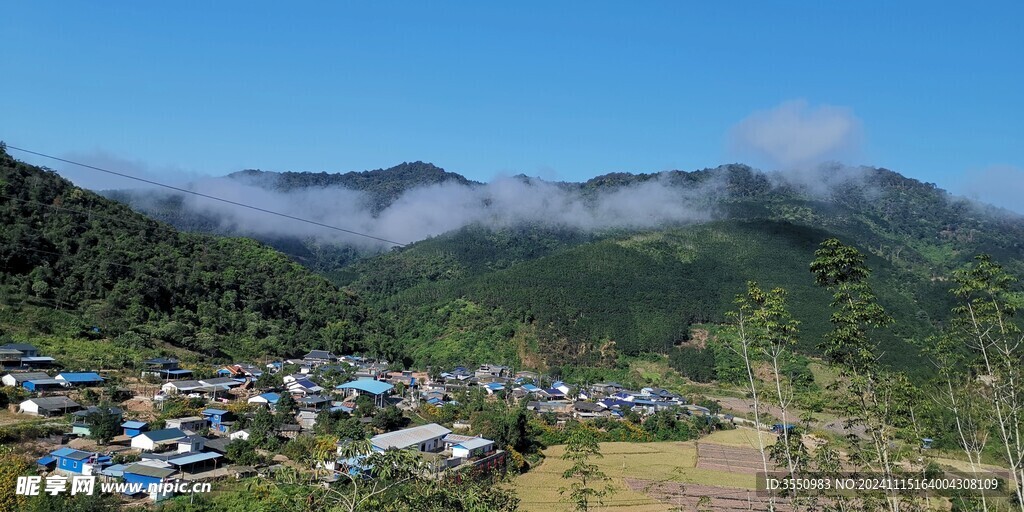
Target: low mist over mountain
x=414, y=201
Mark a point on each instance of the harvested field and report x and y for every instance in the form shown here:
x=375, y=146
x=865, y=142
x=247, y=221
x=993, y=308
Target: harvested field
x=732, y=459
x=687, y=496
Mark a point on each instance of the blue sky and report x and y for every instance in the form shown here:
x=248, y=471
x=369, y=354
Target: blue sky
x=564, y=90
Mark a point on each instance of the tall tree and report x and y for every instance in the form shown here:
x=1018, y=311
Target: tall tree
x=590, y=484
x=985, y=321
x=878, y=394
x=766, y=332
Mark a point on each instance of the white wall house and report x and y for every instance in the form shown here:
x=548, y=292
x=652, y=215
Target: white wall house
x=425, y=438
x=158, y=439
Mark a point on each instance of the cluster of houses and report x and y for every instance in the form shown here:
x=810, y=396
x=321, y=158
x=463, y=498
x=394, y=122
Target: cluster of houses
x=176, y=452
x=23, y=356
x=606, y=399
x=194, y=447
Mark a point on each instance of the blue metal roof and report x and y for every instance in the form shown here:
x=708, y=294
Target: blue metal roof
x=271, y=397
x=115, y=470
x=164, y=434
x=177, y=372
x=80, y=377
x=193, y=458
x=70, y=453
x=374, y=387
x=46, y=461
x=134, y=424
x=219, y=412
x=477, y=442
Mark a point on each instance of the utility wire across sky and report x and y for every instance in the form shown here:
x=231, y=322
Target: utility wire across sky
x=207, y=196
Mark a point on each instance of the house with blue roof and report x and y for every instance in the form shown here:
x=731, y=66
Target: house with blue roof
x=493, y=387
x=475, y=447
x=376, y=389
x=158, y=439
x=70, y=460
x=134, y=428
x=79, y=379
x=220, y=420
x=38, y=385
x=268, y=399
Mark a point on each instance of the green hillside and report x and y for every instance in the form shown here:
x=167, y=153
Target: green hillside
x=641, y=291
x=127, y=277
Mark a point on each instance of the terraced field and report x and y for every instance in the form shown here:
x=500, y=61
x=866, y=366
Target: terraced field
x=653, y=477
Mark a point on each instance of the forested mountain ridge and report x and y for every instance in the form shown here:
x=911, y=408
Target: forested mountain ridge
x=640, y=291
x=384, y=186
x=381, y=187
x=539, y=293
x=127, y=276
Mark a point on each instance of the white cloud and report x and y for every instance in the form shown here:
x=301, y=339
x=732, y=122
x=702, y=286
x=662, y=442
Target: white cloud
x=795, y=134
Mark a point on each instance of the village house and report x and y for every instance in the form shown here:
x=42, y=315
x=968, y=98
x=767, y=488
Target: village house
x=49, y=406
x=147, y=473
x=476, y=447
x=425, y=438
x=17, y=379
x=583, y=410
x=79, y=379
x=23, y=349
x=158, y=440
x=553, y=407
x=165, y=368
x=74, y=462
x=47, y=384
x=220, y=420
x=10, y=358
x=267, y=399
x=188, y=423
x=301, y=385
x=375, y=389
x=240, y=371
x=133, y=428
x=606, y=388
x=492, y=371
x=314, y=403
x=319, y=357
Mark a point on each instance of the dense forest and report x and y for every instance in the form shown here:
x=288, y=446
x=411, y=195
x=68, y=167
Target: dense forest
x=66, y=248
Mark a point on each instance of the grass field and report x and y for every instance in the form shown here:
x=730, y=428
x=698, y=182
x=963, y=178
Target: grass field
x=669, y=461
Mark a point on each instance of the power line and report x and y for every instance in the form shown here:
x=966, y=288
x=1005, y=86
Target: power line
x=207, y=196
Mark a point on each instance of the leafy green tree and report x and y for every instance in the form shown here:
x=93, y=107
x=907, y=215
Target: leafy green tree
x=285, y=409
x=986, y=324
x=242, y=451
x=389, y=418
x=880, y=396
x=589, y=484
x=104, y=425
x=364, y=406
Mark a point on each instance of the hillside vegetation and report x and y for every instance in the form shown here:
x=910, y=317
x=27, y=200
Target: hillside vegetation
x=128, y=277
